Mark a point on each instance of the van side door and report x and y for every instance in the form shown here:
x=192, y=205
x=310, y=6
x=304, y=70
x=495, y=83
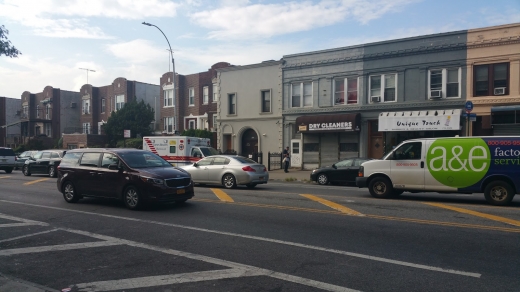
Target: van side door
x=407, y=167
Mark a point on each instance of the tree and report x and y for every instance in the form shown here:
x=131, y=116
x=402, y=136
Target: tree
x=5, y=44
x=134, y=116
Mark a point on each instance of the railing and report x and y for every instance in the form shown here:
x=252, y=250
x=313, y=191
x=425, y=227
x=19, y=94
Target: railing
x=274, y=160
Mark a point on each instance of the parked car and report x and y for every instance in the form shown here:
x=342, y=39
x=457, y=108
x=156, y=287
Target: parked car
x=20, y=159
x=7, y=159
x=43, y=162
x=134, y=176
x=228, y=171
x=341, y=172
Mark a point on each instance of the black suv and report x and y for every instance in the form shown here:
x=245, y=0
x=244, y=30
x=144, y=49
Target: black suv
x=7, y=159
x=45, y=161
x=132, y=175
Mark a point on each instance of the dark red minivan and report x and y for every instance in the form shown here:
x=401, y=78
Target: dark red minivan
x=131, y=175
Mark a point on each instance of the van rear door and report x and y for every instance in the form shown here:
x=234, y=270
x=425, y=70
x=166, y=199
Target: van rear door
x=407, y=166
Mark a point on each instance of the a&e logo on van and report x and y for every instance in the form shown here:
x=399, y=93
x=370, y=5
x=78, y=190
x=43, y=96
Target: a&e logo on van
x=458, y=163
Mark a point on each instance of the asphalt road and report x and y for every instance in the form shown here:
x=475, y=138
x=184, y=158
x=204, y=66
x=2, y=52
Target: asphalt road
x=276, y=237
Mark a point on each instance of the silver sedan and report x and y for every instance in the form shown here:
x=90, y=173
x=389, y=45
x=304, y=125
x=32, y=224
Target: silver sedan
x=228, y=171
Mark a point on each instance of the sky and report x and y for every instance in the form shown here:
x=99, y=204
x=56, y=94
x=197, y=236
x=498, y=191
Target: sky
x=58, y=37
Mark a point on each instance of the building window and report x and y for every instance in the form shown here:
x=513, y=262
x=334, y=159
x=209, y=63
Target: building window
x=266, y=101
x=205, y=95
x=301, y=94
x=86, y=128
x=120, y=102
x=85, y=107
x=383, y=88
x=103, y=105
x=48, y=112
x=48, y=129
x=214, y=122
x=168, y=98
x=444, y=83
x=38, y=111
x=168, y=125
x=491, y=79
x=215, y=96
x=192, y=96
x=191, y=124
x=348, y=147
x=350, y=96
x=232, y=103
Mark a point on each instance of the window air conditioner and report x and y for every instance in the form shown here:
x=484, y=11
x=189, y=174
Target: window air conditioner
x=435, y=93
x=500, y=91
x=72, y=105
x=376, y=98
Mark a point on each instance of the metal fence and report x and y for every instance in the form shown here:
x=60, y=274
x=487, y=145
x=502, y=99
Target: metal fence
x=274, y=160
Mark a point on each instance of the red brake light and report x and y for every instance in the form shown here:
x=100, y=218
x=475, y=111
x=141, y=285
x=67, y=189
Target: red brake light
x=248, y=168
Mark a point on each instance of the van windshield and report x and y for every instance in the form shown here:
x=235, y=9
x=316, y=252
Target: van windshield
x=143, y=160
x=209, y=151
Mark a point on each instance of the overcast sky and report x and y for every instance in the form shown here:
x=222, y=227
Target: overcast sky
x=57, y=37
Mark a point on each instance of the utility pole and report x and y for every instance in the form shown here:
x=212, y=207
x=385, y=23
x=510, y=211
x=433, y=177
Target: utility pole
x=86, y=69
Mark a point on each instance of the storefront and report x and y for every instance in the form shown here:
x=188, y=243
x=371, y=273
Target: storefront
x=397, y=127
x=505, y=120
x=327, y=139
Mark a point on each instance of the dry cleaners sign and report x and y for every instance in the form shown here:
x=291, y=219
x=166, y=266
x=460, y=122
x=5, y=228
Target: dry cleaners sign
x=420, y=120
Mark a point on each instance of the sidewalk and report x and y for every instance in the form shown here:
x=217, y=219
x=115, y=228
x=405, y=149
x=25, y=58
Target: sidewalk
x=294, y=175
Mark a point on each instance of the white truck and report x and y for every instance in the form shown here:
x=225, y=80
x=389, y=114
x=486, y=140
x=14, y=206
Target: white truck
x=179, y=150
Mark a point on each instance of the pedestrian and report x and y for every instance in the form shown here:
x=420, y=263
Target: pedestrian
x=286, y=159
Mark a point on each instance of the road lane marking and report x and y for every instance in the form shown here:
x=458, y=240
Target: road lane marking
x=332, y=205
x=36, y=181
x=478, y=214
x=222, y=195
x=390, y=261
x=25, y=222
x=4, y=176
x=13, y=251
x=28, y=235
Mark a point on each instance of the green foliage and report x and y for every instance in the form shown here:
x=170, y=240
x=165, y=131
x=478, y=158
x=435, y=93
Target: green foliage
x=58, y=143
x=33, y=144
x=5, y=45
x=198, y=133
x=134, y=116
x=21, y=148
x=130, y=143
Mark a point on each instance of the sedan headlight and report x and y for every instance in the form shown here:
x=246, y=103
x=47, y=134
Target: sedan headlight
x=156, y=181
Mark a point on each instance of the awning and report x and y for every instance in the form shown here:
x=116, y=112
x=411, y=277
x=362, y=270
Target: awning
x=329, y=123
x=507, y=108
x=432, y=120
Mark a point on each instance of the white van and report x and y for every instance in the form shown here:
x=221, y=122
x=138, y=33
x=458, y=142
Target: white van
x=489, y=165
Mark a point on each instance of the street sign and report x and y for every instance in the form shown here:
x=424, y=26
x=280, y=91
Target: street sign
x=126, y=133
x=469, y=106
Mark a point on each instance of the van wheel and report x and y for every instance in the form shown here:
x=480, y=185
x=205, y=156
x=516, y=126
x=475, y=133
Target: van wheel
x=229, y=181
x=26, y=171
x=52, y=171
x=380, y=187
x=499, y=193
x=132, y=198
x=69, y=193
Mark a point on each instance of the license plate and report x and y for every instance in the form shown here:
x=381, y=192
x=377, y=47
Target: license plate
x=179, y=192
x=261, y=177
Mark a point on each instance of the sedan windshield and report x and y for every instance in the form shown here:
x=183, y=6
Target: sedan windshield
x=143, y=160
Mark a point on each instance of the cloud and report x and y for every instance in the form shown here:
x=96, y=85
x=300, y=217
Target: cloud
x=136, y=51
x=504, y=16
x=266, y=20
x=67, y=19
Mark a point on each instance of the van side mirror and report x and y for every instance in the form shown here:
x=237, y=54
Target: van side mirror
x=195, y=164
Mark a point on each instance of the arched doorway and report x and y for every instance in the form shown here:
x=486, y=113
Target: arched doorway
x=249, y=143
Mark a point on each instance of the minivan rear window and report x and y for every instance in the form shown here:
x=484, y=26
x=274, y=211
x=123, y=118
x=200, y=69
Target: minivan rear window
x=6, y=152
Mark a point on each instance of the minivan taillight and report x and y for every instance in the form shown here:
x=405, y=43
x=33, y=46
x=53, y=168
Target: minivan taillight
x=248, y=168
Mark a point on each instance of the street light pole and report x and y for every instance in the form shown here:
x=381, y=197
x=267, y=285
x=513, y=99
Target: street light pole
x=86, y=69
x=173, y=68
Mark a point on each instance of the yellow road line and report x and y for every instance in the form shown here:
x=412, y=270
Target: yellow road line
x=478, y=214
x=4, y=176
x=388, y=218
x=36, y=181
x=332, y=205
x=222, y=195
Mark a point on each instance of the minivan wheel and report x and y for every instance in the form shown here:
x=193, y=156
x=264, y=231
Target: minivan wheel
x=69, y=193
x=52, y=171
x=26, y=171
x=132, y=198
x=322, y=179
x=380, y=187
x=499, y=193
x=229, y=181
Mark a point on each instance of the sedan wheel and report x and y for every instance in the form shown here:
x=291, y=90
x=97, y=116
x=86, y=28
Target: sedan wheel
x=322, y=179
x=69, y=193
x=52, y=171
x=229, y=181
x=26, y=171
x=132, y=198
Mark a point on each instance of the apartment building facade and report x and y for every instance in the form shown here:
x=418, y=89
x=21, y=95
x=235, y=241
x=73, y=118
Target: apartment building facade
x=9, y=122
x=249, y=108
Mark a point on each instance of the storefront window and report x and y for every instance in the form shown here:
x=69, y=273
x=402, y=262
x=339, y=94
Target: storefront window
x=311, y=147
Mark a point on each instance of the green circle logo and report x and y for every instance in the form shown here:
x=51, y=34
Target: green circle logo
x=458, y=163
